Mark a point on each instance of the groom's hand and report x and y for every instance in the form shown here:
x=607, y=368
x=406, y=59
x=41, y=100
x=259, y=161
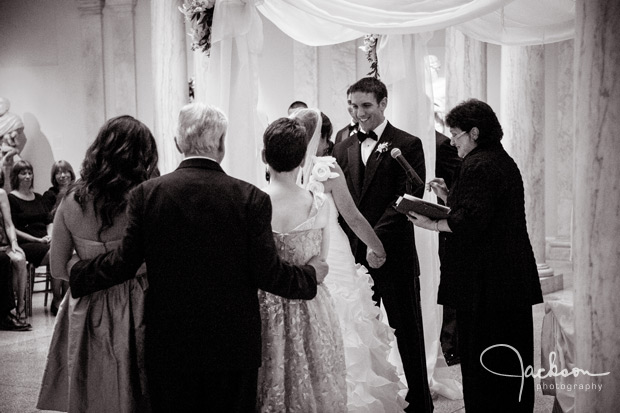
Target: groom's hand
x=321, y=268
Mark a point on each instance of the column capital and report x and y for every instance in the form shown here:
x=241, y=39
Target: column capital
x=90, y=7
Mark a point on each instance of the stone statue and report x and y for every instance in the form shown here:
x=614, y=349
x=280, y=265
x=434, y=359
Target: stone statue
x=12, y=138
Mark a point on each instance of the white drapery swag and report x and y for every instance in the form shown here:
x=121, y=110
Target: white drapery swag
x=507, y=22
x=231, y=83
x=229, y=80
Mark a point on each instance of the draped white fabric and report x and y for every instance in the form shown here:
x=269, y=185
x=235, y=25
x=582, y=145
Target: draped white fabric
x=508, y=22
x=410, y=107
x=324, y=22
x=229, y=80
x=524, y=23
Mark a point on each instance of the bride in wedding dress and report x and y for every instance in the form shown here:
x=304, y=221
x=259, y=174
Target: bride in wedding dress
x=373, y=384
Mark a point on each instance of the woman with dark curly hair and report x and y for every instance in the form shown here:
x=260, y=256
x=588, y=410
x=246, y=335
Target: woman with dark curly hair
x=97, y=346
x=488, y=270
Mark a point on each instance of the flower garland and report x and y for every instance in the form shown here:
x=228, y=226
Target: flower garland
x=370, y=48
x=199, y=13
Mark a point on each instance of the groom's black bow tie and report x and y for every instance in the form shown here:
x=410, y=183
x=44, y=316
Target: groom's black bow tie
x=363, y=136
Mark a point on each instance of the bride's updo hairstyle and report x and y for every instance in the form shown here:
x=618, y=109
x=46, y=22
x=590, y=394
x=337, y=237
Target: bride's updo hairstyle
x=285, y=144
x=309, y=119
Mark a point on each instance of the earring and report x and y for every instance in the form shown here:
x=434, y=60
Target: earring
x=267, y=175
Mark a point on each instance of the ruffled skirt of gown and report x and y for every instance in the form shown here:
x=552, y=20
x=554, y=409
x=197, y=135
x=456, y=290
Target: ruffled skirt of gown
x=373, y=384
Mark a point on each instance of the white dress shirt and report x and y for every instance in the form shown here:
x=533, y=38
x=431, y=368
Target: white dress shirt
x=369, y=144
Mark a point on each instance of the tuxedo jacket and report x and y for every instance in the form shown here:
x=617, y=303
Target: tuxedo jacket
x=208, y=245
x=342, y=135
x=374, y=188
x=447, y=160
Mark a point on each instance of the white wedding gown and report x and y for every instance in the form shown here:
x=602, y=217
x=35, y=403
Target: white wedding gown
x=373, y=384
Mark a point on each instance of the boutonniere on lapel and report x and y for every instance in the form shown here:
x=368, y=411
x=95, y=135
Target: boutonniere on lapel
x=382, y=147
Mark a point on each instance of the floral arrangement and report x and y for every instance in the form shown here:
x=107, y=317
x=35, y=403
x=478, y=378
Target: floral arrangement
x=382, y=147
x=321, y=172
x=191, y=85
x=370, y=48
x=199, y=13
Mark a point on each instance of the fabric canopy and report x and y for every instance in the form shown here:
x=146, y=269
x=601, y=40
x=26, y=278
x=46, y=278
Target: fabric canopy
x=525, y=22
x=511, y=22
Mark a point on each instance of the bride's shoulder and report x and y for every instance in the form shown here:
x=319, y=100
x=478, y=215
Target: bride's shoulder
x=324, y=170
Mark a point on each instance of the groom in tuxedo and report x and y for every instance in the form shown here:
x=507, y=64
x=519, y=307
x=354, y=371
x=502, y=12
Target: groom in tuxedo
x=207, y=242
x=375, y=181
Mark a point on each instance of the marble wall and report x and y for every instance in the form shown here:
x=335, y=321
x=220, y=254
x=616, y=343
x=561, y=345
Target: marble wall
x=597, y=203
x=466, y=68
x=522, y=119
x=170, y=79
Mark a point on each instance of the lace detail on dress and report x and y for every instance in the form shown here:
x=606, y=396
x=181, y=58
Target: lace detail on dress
x=303, y=368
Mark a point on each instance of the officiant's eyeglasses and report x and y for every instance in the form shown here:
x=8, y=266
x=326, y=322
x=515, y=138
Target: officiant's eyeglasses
x=459, y=135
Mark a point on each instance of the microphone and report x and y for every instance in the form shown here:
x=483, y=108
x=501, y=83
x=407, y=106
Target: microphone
x=413, y=177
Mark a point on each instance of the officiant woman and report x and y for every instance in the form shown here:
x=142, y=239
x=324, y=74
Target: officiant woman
x=488, y=272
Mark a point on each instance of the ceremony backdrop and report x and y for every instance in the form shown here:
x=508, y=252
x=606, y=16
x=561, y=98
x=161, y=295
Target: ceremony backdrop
x=548, y=67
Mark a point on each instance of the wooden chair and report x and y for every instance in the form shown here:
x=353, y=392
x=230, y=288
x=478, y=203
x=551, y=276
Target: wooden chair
x=38, y=275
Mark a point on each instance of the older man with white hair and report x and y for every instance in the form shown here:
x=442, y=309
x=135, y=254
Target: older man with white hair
x=207, y=241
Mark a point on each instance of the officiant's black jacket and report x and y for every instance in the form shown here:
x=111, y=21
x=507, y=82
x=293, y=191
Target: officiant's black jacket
x=488, y=261
x=207, y=241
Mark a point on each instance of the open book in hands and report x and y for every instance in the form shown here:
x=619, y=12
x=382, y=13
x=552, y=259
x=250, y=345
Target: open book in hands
x=407, y=203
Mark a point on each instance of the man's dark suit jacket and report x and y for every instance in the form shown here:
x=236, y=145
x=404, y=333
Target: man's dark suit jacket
x=344, y=133
x=207, y=242
x=375, y=191
x=447, y=159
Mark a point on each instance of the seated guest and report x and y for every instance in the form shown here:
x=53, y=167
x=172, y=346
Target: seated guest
x=10, y=248
x=31, y=218
x=8, y=320
x=62, y=176
x=488, y=270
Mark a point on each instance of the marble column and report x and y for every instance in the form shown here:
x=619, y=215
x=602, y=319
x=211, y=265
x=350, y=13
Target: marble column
x=91, y=27
x=121, y=58
x=560, y=247
x=170, y=78
x=465, y=68
x=597, y=203
x=305, y=74
x=522, y=119
x=343, y=70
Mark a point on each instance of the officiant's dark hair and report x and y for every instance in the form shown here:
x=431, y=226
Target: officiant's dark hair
x=285, y=144
x=370, y=85
x=476, y=113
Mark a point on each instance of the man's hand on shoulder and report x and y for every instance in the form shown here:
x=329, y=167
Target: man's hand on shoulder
x=320, y=266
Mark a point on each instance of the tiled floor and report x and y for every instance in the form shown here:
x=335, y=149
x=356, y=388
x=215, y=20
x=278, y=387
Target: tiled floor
x=23, y=355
